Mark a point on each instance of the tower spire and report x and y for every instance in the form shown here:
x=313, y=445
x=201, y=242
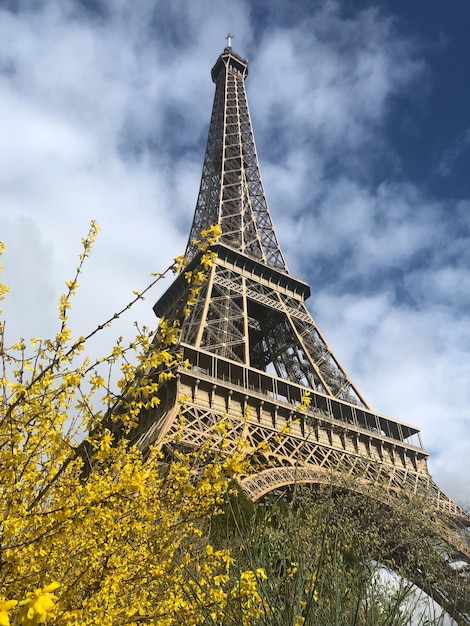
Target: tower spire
x=231, y=192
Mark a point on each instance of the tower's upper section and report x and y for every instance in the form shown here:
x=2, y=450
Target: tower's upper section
x=231, y=192
x=229, y=59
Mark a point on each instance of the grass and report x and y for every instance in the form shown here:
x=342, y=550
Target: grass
x=324, y=555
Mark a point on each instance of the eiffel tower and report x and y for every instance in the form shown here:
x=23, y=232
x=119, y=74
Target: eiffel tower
x=255, y=349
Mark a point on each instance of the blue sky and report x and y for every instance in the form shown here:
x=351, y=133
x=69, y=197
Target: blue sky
x=360, y=113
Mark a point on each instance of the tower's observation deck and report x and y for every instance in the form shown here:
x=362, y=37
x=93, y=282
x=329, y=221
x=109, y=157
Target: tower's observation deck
x=227, y=61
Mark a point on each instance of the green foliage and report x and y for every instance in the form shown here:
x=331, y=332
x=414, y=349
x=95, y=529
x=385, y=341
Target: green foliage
x=324, y=553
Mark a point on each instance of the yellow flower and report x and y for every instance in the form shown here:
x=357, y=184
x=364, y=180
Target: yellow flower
x=292, y=569
x=38, y=605
x=234, y=465
x=310, y=587
x=5, y=607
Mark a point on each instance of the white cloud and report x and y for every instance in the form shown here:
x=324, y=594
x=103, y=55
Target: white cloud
x=450, y=156
x=334, y=80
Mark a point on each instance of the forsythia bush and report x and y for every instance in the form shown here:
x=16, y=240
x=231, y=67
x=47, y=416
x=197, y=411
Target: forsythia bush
x=105, y=536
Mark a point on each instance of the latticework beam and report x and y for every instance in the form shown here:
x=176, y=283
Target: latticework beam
x=255, y=350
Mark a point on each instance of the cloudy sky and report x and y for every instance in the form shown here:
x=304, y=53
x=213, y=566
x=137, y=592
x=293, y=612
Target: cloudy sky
x=361, y=116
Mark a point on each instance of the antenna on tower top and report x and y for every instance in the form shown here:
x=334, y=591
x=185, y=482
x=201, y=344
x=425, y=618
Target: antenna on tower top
x=229, y=40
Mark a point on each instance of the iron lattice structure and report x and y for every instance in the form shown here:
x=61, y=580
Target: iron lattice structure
x=255, y=350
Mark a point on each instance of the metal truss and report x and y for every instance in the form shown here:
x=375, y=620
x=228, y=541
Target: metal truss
x=255, y=315
x=231, y=192
x=251, y=331
x=255, y=350
x=299, y=446
x=289, y=447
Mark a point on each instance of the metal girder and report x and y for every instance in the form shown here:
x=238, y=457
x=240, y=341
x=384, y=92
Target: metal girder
x=299, y=445
x=231, y=192
x=254, y=349
x=250, y=313
x=240, y=317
